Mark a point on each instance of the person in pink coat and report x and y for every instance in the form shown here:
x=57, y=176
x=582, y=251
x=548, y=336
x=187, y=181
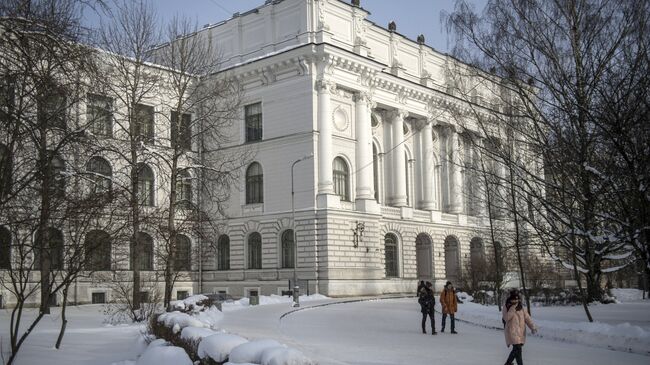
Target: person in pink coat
x=516, y=319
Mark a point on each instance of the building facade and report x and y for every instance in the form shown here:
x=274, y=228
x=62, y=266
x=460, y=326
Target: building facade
x=360, y=179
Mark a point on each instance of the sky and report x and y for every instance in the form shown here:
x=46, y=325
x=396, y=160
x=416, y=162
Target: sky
x=413, y=17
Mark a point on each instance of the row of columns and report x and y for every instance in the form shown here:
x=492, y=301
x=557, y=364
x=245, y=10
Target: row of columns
x=364, y=154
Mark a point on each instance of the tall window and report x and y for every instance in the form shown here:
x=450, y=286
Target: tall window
x=145, y=185
x=375, y=171
x=253, y=116
x=223, y=253
x=181, y=134
x=99, y=115
x=254, y=184
x=254, y=251
x=56, y=175
x=477, y=254
x=51, y=108
x=101, y=175
x=5, y=248
x=288, y=250
x=144, y=122
x=184, y=188
x=390, y=255
x=97, y=248
x=145, y=252
x=341, y=179
x=6, y=171
x=183, y=251
x=49, y=248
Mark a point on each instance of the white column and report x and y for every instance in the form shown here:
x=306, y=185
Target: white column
x=399, y=164
x=325, y=181
x=456, y=176
x=365, y=183
x=426, y=159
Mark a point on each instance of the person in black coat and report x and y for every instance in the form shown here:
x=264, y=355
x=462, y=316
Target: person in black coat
x=427, y=303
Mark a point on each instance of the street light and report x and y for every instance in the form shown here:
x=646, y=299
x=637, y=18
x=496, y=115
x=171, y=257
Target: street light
x=296, y=287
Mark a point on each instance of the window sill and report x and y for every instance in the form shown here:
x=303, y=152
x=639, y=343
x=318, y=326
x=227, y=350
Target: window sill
x=253, y=209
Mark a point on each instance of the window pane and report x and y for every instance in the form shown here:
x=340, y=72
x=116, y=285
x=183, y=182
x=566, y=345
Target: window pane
x=223, y=253
x=183, y=249
x=253, y=121
x=255, y=251
x=5, y=248
x=288, y=249
x=144, y=122
x=181, y=136
x=99, y=115
x=341, y=179
x=254, y=184
x=390, y=255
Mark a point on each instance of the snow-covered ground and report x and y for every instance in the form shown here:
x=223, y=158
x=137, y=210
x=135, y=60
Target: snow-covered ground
x=385, y=331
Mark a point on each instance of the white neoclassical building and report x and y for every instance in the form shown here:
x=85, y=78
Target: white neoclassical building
x=357, y=182
x=357, y=185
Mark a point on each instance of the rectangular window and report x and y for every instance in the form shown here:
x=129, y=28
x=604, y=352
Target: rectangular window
x=181, y=135
x=99, y=115
x=99, y=298
x=52, y=110
x=253, y=116
x=144, y=122
x=182, y=294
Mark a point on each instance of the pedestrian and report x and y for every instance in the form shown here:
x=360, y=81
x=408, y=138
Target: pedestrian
x=449, y=305
x=427, y=303
x=513, y=292
x=516, y=318
x=420, y=286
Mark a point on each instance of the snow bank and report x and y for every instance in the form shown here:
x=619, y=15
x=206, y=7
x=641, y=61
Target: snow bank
x=164, y=355
x=219, y=346
x=272, y=299
x=177, y=321
x=196, y=333
x=251, y=351
x=209, y=317
x=187, y=302
x=621, y=337
x=627, y=295
x=284, y=356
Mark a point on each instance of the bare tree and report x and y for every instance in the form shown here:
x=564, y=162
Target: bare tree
x=561, y=61
x=203, y=105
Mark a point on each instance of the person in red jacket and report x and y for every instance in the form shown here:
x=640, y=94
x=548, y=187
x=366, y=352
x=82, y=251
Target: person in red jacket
x=449, y=306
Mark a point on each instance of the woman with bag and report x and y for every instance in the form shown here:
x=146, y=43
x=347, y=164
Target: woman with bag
x=516, y=319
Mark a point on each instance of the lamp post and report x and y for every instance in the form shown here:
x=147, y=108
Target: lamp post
x=296, y=287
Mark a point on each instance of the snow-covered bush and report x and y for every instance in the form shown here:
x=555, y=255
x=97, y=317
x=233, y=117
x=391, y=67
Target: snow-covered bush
x=192, y=304
x=158, y=353
x=218, y=347
x=251, y=351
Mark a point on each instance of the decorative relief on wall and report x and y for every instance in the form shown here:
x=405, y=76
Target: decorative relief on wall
x=321, y=15
x=341, y=119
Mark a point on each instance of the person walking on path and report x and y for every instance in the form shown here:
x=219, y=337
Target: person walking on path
x=449, y=305
x=516, y=318
x=427, y=303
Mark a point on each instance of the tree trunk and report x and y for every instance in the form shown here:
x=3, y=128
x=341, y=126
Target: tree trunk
x=64, y=321
x=576, y=274
x=14, y=351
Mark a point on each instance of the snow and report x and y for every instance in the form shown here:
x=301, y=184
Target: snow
x=178, y=321
x=627, y=295
x=355, y=331
x=219, y=346
x=164, y=355
x=187, y=302
x=196, y=333
x=251, y=352
x=272, y=299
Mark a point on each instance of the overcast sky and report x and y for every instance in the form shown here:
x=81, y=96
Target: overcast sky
x=413, y=17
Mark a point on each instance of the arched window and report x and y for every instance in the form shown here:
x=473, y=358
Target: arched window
x=254, y=184
x=183, y=254
x=254, y=251
x=500, y=255
x=5, y=248
x=184, y=188
x=101, y=175
x=6, y=167
x=288, y=250
x=375, y=171
x=341, y=178
x=97, y=246
x=390, y=255
x=49, y=248
x=145, y=252
x=477, y=254
x=56, y=174
x=223, y=253
x=452, y=259
x=145, y=185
